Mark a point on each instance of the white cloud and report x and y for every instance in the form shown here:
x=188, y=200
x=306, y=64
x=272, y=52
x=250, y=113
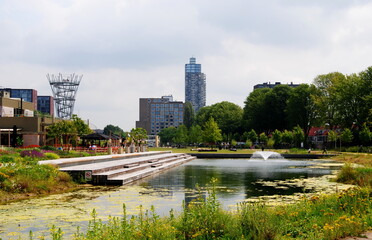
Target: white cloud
x=129, y=49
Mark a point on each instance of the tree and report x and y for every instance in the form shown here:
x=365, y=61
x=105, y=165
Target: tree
x=332, y=136
x=254, y=112
x=138, y=135
x=81, y=127
x=298, y=135
x=227, y=115
x=263, y=138
x=211, y=132
x=277, y=137
x=203, y=115
x=167, y=135
x=188, y=115
x=252, y=136
x=365, y=135
x=287, y=137
x=275, y=108
x=326, y=101
x=302, y=109
x=365, y=91
x=111, y=129
x=195, y=134
x=181, y=136
x=346, y=136
x=67, y=131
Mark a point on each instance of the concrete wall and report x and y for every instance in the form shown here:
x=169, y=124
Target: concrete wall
x=31, y=139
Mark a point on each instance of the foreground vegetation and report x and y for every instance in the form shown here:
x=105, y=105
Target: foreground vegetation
x=22, y=177
x=319, y=217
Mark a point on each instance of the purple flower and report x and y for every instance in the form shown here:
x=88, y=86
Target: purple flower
x=32, y=153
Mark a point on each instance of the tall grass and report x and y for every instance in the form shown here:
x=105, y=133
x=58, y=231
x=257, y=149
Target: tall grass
x=361, y=176
x=318, y=217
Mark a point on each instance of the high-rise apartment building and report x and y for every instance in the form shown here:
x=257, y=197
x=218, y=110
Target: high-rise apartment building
x=156, y=114
x=195, y=85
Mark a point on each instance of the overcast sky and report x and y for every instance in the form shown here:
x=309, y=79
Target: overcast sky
x=131, y=49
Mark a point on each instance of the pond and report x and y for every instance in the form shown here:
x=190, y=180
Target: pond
x=238, y=180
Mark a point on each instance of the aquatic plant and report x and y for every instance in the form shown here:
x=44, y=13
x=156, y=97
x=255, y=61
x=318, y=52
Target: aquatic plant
x=318, y=217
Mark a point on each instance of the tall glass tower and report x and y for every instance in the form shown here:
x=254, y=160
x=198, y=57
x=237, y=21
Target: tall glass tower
x=195, y=85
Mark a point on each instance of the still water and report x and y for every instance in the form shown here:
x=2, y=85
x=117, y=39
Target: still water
x=237, y=180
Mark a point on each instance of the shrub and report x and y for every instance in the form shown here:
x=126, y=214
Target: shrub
x=50, y=148
x=63, y=177
x=50, y=155
x=270, y=143
x=7, y=158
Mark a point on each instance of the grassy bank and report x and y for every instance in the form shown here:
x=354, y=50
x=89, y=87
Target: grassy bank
x=21, y=176
x=319, y=217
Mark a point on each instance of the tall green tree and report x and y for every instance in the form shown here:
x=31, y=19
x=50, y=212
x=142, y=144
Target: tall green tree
x=287, y=137
x=167, y=135
x=332, y=137
x=275, y=108
x=80, y=126
x=138, y=134
x=298, y=136
x=302, y=109
x=263, y=138
x=195, y=134
x=111, y=129
x=346, y=136
x=181, y=136
x=326, y=101
x=254, y=112
x=365, y=135
x=277, y=137
x=67, y=131
x=227, y=115
x=188, y=115
x=211, y=132
x=366, y=96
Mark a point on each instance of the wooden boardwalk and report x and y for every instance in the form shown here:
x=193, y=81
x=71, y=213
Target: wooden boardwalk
x=119, y=169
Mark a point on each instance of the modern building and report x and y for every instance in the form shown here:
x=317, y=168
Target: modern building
x=195, y=85
x=45, y=104
x=156, y=114
x=15, y=107
x=18, y=114
x=28, y=95
x=272, y=85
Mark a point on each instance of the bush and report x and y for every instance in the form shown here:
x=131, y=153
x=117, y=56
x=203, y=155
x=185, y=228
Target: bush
x=50, y=155
x=7, y=158
x=358, y=149
x=361, y=176
x=50, y=148
x=270, y=143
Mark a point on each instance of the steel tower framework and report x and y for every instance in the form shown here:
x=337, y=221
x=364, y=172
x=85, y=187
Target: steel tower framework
x=64, y=89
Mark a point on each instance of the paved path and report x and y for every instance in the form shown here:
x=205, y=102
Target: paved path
x=368, y=235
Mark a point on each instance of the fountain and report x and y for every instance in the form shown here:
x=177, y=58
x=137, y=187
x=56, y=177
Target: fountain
x=265, y=155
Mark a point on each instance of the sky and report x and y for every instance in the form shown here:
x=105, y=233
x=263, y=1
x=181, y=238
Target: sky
x=131, y=49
